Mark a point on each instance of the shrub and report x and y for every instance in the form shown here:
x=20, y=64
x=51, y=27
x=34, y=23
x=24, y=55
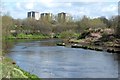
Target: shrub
x=68, y=34
x=83, y=35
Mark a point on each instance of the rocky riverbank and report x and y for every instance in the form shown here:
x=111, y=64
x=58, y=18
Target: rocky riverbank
x=111, y=47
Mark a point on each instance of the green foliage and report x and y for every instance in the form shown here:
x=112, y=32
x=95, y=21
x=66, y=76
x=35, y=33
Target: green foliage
x=83, y=35
x=21, y=35
x=97, y=23
x=83, y=24
x=56, y=36
x=105, y=21
x=31, y=36
x=27, y=74
x=117, y=29
x=68, y=34
x=10, y=70
x=33, y=28
x=7, y=22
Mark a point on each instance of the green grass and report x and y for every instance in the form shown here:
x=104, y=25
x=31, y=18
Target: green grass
x=75, y=40
x=10, y=70
x=28, y=36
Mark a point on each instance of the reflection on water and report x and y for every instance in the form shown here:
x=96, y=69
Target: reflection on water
x=46, y=60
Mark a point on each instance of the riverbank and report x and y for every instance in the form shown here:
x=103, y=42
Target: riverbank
x=108, y=46
x=111, y=47
x=28, y=36
x=11, y=71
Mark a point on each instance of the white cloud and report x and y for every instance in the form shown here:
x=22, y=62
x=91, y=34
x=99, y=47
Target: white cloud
x=111, y=8
x=68, y=4
x=80, y=0
x=30, y=4
x=79, y=11
x=62, y=0
x=18, y=5
x=47, y=3
x=72, y=7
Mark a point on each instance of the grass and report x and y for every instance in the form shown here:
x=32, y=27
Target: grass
x=75, y=40
x=28, y=36
x=10, y=70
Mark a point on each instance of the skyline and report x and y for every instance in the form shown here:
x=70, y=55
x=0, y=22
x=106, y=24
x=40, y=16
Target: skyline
x=78, y=9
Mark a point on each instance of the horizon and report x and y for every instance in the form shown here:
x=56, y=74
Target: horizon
x=75, y=9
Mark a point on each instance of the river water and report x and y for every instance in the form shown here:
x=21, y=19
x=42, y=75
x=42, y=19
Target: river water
x=46, y=60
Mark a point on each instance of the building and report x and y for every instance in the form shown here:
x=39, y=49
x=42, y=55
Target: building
x=63, y=17
x=46, y=17
x=34, y=15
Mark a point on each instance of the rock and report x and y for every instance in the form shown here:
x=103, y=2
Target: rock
x=13, y=62
x=61, y=44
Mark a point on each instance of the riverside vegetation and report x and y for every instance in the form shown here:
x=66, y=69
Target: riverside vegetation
x=9, y=69
x=99, y=31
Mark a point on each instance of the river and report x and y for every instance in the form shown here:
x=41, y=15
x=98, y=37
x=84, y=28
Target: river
x=46, y=60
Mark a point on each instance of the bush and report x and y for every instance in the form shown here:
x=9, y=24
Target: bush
x=31, y=36
x=107, y=37
x=11, y=36
x=68, y=34
x=83, y=35
x=21, y=35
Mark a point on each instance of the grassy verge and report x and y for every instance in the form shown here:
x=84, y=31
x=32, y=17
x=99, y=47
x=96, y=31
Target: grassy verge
x=10, y=70
x=28, y=36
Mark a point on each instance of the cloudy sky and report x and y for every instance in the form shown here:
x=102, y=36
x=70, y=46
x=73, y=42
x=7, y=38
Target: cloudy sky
x=77, y=8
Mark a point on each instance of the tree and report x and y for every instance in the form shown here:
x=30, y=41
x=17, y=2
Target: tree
x=118, y=28
x=115, y=24
x=83, y=24
x=7, y=23
x=96, y=23
x=105, y=21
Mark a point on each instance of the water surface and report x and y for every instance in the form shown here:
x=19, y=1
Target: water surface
x=47, y=60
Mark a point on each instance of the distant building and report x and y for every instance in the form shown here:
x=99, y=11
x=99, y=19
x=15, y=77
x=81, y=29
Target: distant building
x=46, y=16
x=34, y=15
x=63, y=17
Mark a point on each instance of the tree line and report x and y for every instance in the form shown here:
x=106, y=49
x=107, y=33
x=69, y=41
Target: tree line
x=11, y=26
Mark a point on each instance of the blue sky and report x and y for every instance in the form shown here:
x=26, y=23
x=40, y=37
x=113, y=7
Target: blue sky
x=77, y=8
